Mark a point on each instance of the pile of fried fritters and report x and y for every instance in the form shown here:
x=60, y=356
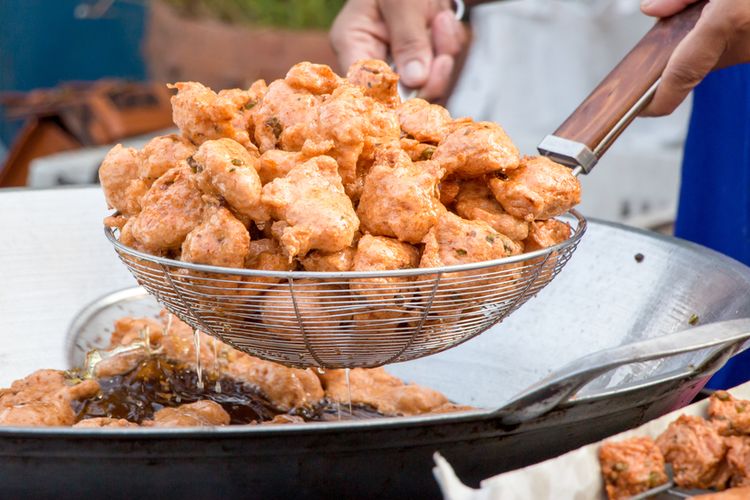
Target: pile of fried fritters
x=323, y=173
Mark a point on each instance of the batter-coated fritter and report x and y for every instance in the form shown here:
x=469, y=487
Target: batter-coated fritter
x=417, y=151
x=325, y=262
x=729, y=414
x=449, y=189
x=311, y=208
x=276, y=163
x=201, y=114
x=118, y=174
x=546, y=233
x=377, y=79
x=314, y=78
x=475, y=149
x=738, y=460
x=199, y=414
x=475, y=202
x=282, y=116
x=171, y=209
x=221, y=240
x=538, y=189
x=423, y=121
x=631, y=467
x=224, y=168
x=400, y=198
x=162, y=153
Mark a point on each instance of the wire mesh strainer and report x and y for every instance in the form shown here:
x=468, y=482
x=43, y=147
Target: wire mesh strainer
x=351, y=319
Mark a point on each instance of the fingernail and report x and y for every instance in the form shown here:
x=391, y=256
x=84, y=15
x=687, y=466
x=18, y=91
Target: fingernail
x=414, y=72
x=645, y=4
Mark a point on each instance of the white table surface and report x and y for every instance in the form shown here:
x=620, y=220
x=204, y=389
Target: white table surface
x=54, y=259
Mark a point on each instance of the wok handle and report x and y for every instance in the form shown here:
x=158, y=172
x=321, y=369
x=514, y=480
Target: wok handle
x=600, y=119
x=562, y=385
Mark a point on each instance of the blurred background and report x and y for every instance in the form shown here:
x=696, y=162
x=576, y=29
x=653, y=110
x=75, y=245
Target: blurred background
x=77, y=76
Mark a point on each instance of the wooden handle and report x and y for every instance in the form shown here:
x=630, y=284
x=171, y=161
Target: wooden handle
x=601, y=115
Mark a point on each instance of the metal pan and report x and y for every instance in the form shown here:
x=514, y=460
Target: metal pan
x=604, y=310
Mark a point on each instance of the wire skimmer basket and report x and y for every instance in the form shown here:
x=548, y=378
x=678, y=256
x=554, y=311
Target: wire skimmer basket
x=349, y=319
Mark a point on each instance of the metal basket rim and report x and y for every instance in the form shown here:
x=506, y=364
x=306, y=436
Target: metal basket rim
x=578, y=232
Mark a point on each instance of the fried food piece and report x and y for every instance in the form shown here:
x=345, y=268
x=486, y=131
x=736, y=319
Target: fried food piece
x=738, y=460
x=377, y=79
x=314, y=78
x=122, y=187
x=171, y=209
x=224, y=168
x=161, y=154
x=400, y=197
x=696, y=452
x=221, y=240
x=389, y=395
x=43, y=399
x=417, y=151
x=276, y=163
x=423, y=121
x=546, y=233
x=282, y=114
x=539, y=189
x=449, y=189
x=475, y=202
x=631, y=467
x=201, y=114
x=355, y=124
x=475, y=149
x=731, y=494
x=199, y=414
x=128, y=330
x=377, y=253
x=335, y=262
x=266, y=255
x=454, y=240
x=284, y=418
x=312, y=209
x=728, y=414
x=102, y=422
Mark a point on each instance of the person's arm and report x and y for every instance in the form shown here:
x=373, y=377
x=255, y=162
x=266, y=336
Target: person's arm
x=720, y=38
x=422, y=36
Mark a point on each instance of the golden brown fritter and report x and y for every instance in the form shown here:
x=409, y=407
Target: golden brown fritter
x=729, y=414
x=162, y=153
x=417, y=151
x=314, y=78
x=102, y=422
x=454, y=241
x=276, y=163
x=696, y=452
x=43, y=399
x=475, y=149
x=631, y=467
x=423, y=121
x=325, y=262
x=738, y=460
x=731, y=494
x=172, y=208
x=312, y=209
x=264, y=254
x=400, y=197
x=546, y=233
x=220, y=240
x=282, y=115
x=118, y=174
x=384, y=392
x=377, y=79
x=476, y=202
x=449, y=189
x=199, y=414
x=538, y=189
x=224, y=168
x=201, y=114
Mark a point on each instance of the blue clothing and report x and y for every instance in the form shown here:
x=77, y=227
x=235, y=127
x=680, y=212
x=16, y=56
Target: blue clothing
x=714, y=207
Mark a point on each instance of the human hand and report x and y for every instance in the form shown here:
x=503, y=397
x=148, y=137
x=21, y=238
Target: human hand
x=720, y=38
x=422, y=36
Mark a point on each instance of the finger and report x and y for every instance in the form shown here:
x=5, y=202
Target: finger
x=692, y=60
x=411, y=49
x=439, y=78
x=448, y=34
x=664, y=8
x=358, y=32
x=359, y=45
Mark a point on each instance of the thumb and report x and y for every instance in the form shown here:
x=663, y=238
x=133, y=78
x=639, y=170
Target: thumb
x=411, y=48
x=664, y=8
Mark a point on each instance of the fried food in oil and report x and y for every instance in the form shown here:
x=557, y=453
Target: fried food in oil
x=101, y=422
x=475, y=149
x=224, y=168
x=696, y=452
x=119, y=176
x=423, y=121
x=400, y=197
x=475, y=202
x=377, y=79
x=311, y=209
x=546, y=233
x=538, y=189
x=198, y=414
x=631, y=467
x=161, y=154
